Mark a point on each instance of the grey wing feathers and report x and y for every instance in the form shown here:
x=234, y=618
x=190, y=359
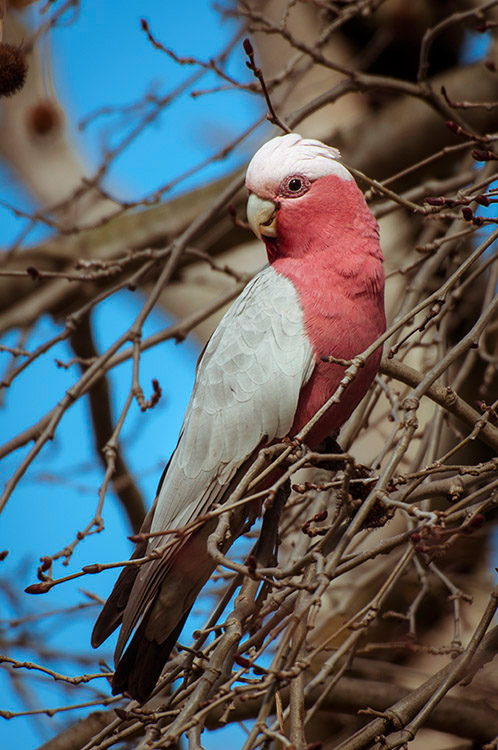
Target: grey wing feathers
x=247, y=389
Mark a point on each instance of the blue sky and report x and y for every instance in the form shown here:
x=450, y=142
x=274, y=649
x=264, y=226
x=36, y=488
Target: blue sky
x=103, y=58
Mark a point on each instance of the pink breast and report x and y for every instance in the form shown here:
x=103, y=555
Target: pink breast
x=341, y=319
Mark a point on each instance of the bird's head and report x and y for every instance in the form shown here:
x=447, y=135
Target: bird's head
x=302, y=199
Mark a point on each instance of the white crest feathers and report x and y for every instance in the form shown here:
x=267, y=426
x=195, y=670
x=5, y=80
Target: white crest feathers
x=291, y=154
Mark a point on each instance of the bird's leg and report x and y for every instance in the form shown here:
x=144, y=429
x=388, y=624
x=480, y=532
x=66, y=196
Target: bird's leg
x=357, y=491
x=327, y=447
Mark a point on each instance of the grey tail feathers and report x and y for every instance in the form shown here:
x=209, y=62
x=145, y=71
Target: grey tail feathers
x=143, y=661
x=112, y=612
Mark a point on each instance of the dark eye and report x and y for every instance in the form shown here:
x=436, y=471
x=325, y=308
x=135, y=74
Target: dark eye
x=295, y=185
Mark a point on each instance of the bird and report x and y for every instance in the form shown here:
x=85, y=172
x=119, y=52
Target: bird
x=260, y=378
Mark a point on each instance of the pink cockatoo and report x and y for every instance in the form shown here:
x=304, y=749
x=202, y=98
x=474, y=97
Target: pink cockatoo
x=260, y=378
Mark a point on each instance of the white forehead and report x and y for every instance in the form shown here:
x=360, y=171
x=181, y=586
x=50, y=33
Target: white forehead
x=290, y=154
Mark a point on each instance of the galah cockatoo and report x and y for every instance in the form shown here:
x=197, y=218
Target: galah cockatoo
x=260, y=378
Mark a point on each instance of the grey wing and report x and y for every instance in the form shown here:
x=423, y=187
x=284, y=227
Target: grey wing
x=246, y=392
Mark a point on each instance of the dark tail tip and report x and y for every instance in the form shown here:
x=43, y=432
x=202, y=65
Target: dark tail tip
x=142, y=663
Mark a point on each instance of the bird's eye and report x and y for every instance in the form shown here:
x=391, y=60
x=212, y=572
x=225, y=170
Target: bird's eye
x=295, y=185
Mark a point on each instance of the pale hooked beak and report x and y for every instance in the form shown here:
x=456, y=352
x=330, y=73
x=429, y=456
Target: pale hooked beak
x=262, y=215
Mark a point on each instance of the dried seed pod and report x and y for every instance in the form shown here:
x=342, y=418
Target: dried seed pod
x=13, y=69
